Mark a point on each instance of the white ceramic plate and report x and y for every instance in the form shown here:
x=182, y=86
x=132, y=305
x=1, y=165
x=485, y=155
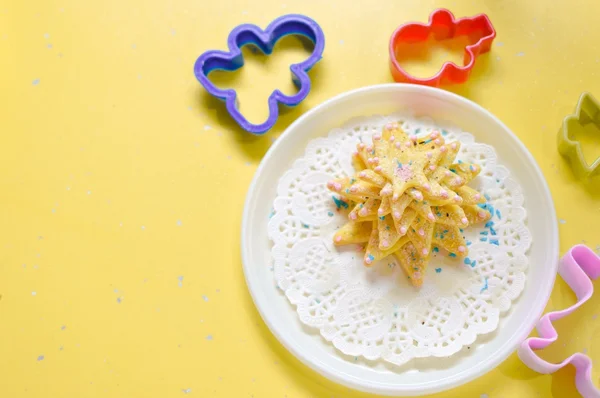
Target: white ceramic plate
x=416, y=379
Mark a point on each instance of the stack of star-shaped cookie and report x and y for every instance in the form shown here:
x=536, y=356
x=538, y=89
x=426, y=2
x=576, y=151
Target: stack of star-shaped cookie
x=409, y=198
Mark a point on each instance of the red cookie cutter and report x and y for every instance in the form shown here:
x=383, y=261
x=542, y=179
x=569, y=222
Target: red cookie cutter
x=442, y=25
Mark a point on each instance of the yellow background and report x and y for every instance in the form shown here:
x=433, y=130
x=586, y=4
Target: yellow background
x=119, y=175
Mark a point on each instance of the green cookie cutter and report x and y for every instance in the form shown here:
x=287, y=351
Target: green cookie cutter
x=587, y=111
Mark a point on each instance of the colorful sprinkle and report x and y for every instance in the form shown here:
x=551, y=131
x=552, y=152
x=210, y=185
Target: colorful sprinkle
x=485, y=286
x=339, y=203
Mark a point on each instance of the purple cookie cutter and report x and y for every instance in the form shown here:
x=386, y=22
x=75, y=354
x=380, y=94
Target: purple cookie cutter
x=579, y=267
x=248, y=34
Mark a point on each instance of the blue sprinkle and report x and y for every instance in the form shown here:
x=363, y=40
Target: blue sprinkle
x=494, y=242
x=330, y=214
x=493, y=231
x=382, y=218
x=426, y=142
x=468, y=243
x=482, y=205
x=491, y=209
x=438, y=270
x=40, y=358
x=498, y=214
x=452, y=255
x=209, y=337
x=370, y=257
x=452, y=170
x=485, y=286
x=271, y=214
x=487, y=197
x=562, y=221
x=489, y=224
x=339, y=203
x=473, y=264
x=483, y=233
x=497, y=180
x=444, y=132
x=305, y=225
x=318, y=301
x=347, y=190
x=387, y=227
x=467, y=261
x=36, y=82
x=460, y=162
x=483, y=239
x=436, y=249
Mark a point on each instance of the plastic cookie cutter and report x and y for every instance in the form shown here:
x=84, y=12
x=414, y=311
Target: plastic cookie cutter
x=587, y=111
x=442, y=25
x=248, y=34
x=579, y=267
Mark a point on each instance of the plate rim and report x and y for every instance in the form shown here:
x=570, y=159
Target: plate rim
x=348, y=380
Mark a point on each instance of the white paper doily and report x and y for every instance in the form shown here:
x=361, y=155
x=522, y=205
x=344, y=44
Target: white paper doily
x=374, y=312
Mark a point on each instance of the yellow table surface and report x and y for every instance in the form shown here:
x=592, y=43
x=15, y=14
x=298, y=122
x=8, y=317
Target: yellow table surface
x=123, y=185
